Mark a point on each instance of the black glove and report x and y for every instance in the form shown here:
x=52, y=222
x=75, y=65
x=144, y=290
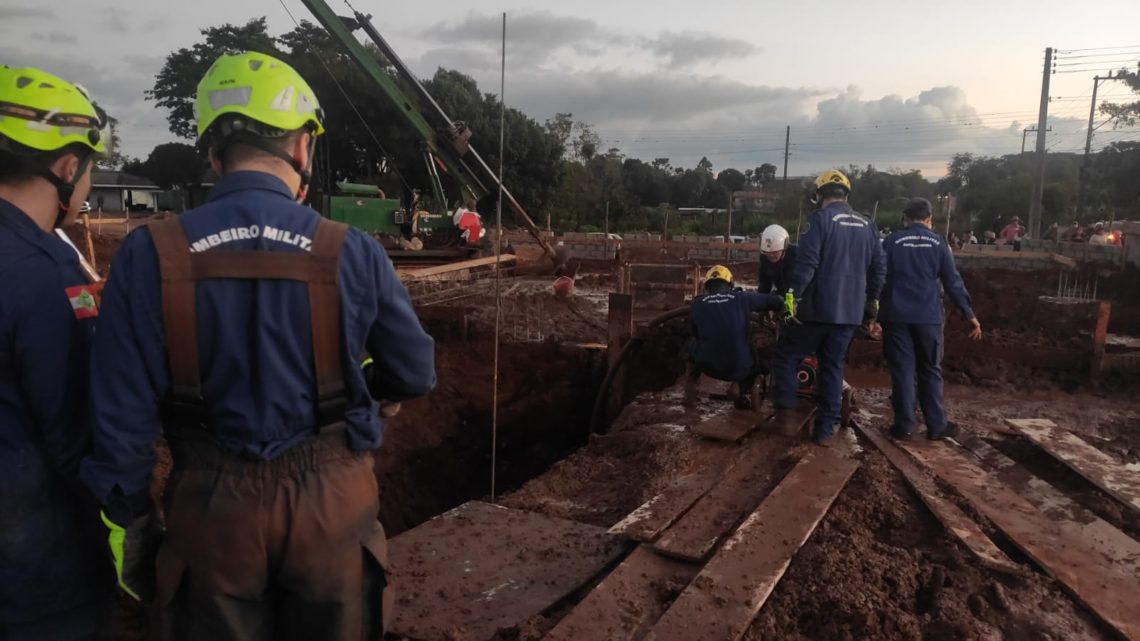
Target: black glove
x=870, y=311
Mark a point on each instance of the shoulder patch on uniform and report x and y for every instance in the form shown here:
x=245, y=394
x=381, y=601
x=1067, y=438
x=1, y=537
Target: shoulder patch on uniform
x=82, y=300
x=805, y=228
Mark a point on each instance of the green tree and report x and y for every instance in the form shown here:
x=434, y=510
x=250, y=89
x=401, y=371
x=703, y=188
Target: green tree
x=114, y=158
x=731, y=179
x=765, y=174
x=366, y=137
x=176, y=83
x=174, y=165
x=1125, y=114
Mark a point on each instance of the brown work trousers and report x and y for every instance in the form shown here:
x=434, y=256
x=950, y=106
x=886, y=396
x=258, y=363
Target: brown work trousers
x=288, y=549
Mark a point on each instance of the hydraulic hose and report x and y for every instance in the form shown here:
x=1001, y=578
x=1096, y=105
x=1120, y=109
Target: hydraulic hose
x=621, y=357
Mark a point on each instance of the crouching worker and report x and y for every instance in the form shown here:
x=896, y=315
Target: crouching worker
x=720, y=347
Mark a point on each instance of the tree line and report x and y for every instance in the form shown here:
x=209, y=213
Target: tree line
x=559, y=171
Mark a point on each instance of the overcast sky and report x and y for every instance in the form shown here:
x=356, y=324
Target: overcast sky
x=896, y=84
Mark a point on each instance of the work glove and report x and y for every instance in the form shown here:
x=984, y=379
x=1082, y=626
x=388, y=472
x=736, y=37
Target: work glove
x=133, y=550
x=388, y=409
x=790, y=309
x=870, y=311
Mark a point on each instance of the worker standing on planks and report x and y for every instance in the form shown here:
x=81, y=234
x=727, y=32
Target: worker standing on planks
x=234, y=330
x=839, y=272
x=720, y=347
x=919, y=267
x=777, y=261
x=53, y=569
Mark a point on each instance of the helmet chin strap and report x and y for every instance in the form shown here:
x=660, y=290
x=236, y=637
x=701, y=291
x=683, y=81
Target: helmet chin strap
x=65, y=189
x=268, y=147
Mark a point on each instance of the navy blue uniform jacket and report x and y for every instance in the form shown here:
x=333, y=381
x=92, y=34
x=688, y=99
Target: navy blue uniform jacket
x=919, y=267
x=47, y=317
x=839, y=266
x=720, y=332
x=777, y=277
x=254, y=340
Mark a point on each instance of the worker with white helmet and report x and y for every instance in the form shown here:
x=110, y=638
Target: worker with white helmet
x=777, y=260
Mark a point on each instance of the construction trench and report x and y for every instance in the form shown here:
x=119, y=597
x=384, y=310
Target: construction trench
x=669, y=524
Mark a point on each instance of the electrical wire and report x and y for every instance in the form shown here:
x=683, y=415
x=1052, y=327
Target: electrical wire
x=498, y=254
x=1098, y=49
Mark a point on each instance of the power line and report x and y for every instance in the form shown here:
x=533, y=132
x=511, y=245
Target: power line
x=1098, y=49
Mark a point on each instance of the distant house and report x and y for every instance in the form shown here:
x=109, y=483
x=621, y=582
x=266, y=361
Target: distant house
x=698, y=212
x=753, y=201
x=122, y=192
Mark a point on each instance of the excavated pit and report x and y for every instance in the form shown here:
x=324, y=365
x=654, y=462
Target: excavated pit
x=878, y=566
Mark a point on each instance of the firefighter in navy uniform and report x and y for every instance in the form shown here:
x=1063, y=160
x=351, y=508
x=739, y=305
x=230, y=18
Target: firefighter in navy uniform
x=919, y=268
x=235, y=330
x=838, y=275
x=54, y=575
x=721, y=347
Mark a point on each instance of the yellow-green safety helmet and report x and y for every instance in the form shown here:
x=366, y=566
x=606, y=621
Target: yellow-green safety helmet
x=261, y=88
x=46, y=113
x=718, y=272
x=833, y=178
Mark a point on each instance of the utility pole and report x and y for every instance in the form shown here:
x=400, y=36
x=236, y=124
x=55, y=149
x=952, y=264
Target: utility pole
x=1039, y=179
x=946, y=208
x=787, y=150
x=1028, y=130
x=728, y=238
x=1088, y=143
x=606, y=244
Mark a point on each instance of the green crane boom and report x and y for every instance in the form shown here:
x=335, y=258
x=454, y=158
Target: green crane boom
x=446, y=141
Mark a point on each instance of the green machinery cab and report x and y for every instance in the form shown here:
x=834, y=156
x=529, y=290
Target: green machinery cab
x=365, y=207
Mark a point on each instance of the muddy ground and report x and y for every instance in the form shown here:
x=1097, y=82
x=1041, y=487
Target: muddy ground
x=878, y=567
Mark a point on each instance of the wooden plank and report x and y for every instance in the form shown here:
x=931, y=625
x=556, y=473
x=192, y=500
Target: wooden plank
x=1120, y=548
x=1100, y=336
x=731, y=425
x=805, y=411
x=721, y=602
x=951, y=516
x=1080, y=564
x=481, y=567
x=696, y=533
x=627, y=602
x=1120, y=481
x=458, y=266
x=648, y=521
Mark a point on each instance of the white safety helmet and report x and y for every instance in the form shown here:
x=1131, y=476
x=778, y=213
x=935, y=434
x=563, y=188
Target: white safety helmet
x=774, y=239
